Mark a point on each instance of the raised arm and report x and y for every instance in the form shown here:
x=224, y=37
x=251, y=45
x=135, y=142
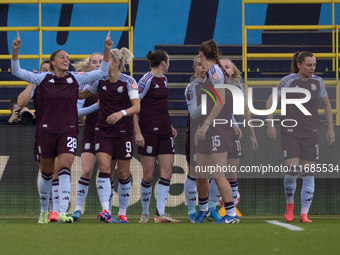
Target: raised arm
x=15, y=66
x=16, y=46
x=90, y=77
x=25, y=96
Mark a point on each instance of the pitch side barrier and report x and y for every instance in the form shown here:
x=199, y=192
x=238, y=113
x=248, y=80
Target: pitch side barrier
x=19, y=177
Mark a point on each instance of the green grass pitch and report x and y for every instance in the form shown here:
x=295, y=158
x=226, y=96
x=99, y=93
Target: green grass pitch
x=253, y=235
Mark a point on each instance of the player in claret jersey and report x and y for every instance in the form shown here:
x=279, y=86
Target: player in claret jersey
x=90, y=108
x=155, y=135
x=300, y=144
x=119, y=100
x=214, y=142
x=59, y=121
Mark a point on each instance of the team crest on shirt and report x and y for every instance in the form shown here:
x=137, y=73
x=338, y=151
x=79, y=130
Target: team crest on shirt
x=97, y=146
x=133, y=85
x=214, y=76
x=69, y=80
x=149, y=149
x=120, y=89
x=313, y=86
x=87, y=146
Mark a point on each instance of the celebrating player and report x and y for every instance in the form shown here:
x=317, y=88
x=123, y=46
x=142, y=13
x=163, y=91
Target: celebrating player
x=155, y=135
x=59, y=122
x=213, y=144
x=119, y=100
x=300, y=144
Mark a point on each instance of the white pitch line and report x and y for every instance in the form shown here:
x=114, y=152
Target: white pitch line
x=285, y=225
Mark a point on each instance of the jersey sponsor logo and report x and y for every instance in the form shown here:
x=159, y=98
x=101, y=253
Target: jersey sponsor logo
x=81, y=73
x=87, y=146
x=155, y=129
x=51, y=80
x=128, y=155
x=44, y=125
x=97, y=146
x=71, y=150
x=214, y=76
x=149, y=149
x=156, y=86
x=214, y=149
x=313, y=86
x=104, y=88
x=133, y=85
x=69, y=80
x=120, y=89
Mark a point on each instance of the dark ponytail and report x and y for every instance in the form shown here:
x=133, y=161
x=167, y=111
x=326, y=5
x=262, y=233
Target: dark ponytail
x=155, y=58
x=52, y=57
x=299, y=57
x=211, y=51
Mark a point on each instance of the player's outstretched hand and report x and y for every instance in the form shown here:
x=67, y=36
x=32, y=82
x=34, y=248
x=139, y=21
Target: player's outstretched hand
x=108, y=42
x=17, y=42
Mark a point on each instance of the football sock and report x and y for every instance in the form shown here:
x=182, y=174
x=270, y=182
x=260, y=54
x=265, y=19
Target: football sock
x=234, y=189
x=307, y=193
x=82, y=190
x=45, y=185
x=290, y=187
x=145, y=192
x=203, y=204
x=214, y=194
x=55, y=194
x=64, y=189
x=190, y=192
x=124, y=192
x=162, y=195
x=104, y=190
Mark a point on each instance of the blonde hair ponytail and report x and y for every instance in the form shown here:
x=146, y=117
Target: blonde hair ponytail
x=124, y=56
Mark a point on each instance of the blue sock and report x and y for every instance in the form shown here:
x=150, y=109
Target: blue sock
x=214, y=194
x=145, y=193
x=82, y=190
x=64, y=189
x=45, y=185
x=124, y=192
x=307, y=192
x=190, y=192
x=104, y=190
x=162, y=195
x=55, y=194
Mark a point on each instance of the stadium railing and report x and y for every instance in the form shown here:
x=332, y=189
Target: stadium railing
x=335, y=46
x=42, y=29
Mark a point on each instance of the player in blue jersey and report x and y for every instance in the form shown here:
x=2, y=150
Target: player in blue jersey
x=300, y=144
x=119, y=101
x=155, y=135
x=59, y=123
